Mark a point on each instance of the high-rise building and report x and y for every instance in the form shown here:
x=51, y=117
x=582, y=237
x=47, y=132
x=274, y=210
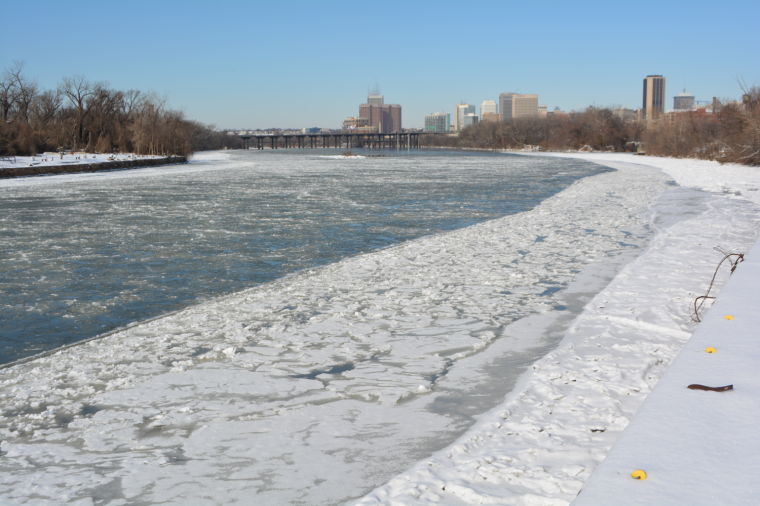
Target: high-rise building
x=654, y=96
x=468, y=119
x=459, y=111
x=488, y=107
x=518, y=105
x=357, y=125
x=625, y=114
x=437, y=122
x=684, y=102
x=383, y=118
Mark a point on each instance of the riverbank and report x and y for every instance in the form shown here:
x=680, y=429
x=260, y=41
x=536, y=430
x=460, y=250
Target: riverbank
x=298, y=389
x=560, y=421
x=73, y=163
x=696, y=446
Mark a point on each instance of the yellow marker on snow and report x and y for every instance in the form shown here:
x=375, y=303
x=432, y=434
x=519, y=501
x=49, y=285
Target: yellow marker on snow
x=728, y=317
x=710, y=349
x=639, y=474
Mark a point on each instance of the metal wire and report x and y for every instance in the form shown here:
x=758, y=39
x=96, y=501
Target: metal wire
x=734, y=259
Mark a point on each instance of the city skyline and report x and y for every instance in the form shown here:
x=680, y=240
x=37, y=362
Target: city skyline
x=251, y=65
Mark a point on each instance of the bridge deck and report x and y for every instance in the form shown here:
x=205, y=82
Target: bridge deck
x=401, y=140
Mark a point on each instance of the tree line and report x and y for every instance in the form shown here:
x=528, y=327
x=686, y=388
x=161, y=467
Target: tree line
x=730, y=134
x=90, y=116
x=81, y=115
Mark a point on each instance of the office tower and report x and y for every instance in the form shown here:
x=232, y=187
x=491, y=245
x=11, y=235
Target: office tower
x=459, y=111
x=469, y=119
x=490, y=117
x=357, y=125
x=383, y=118
x=394, y=115
x=654, y=97
x=488, y=107
x=489, y=111
x=437, y=122
x=625, y=114
x=683, y=102
x=518, y=105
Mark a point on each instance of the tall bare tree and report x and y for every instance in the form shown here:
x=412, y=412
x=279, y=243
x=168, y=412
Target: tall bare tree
x=25, y=89
x=78, y=91
x=9, y=91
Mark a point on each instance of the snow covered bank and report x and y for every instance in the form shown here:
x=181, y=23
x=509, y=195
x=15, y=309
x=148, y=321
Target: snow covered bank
x=728, y=178
x=299, y=389
x=542, y=444
x=697, y=447
x=345, y=156
x=52, y=159
x=72, y=163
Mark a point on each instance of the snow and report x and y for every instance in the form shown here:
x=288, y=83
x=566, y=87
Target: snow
x=300, y=388
x=298, y=391
x=697, y=447
x=559, y=422
x=727, y=178
x=345, y=156
x=71, y=158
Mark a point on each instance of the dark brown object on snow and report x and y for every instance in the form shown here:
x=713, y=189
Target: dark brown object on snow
x=695, y=386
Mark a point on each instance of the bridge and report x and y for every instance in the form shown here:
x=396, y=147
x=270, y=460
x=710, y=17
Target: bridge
x=401, y=140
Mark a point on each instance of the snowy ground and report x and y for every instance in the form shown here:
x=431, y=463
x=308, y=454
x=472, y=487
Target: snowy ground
x=296, y=391
x=48, y=159
x=542, y=444
x=192, y=408
x=696, y=447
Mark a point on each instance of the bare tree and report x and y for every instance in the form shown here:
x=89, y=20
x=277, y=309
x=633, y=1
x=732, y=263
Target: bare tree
x=26, y=90
x=9, y=89
x=131, y=102
x=105, y=108
x=78, y=90
x=751, y=103
x=45, y=107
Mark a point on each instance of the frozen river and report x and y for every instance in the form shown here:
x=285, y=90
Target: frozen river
x=84, y=255
x=336, y=370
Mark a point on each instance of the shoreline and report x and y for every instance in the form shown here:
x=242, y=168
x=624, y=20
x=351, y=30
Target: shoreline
x=693, y=448
x=544, y=441
x=538, y=446
x=46, y=170
x=390, y=303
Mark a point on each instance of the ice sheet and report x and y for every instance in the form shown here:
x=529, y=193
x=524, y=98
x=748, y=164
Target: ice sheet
x=558, y=423
x=297, y=391
x=84, y=255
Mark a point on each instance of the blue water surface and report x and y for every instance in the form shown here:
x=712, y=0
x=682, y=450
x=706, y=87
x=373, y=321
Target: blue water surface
x=83, y=255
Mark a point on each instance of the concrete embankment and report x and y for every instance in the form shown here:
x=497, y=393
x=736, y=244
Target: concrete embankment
x=90, y=167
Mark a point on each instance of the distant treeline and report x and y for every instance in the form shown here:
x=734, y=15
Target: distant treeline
x=82, y=115
x=730, y=134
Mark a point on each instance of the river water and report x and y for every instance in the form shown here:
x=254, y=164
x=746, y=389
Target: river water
x=319, y=323
x=83, y=255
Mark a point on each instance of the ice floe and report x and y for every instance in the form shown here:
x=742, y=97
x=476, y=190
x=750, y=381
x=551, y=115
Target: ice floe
x=317, y=387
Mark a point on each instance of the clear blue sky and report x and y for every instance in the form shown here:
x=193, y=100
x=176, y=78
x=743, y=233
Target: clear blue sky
x=310, y=63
